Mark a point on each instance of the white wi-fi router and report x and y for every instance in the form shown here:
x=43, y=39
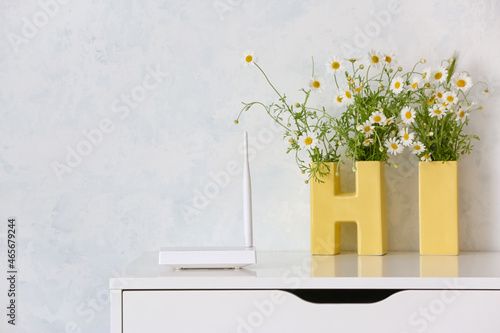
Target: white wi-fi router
x=219, y=257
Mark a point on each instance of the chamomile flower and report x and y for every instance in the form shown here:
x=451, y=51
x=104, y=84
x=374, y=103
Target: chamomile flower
x=397, y=85
x=461, y=81
x=406, y=136
x=308, y=141
x=440, y=74
x=426, y=157
x=249, y=58
x=415, y=83
x=417, y=148
x=347, y=97
x=394, y=146
x=408, y=115
x=375, y=58
x=390, y=59
x=440, y=93
x=462, y=115
x=339, y=100
x=389, y=121
x=366, y=128
x=367, y=141
x=450, y=97
x=316, y=83
x=437, y=111
x=472, y=106
x=378, y=117
x=334, y=65
x=426, y=74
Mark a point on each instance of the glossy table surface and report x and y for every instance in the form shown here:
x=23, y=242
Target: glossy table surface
x=296, y=270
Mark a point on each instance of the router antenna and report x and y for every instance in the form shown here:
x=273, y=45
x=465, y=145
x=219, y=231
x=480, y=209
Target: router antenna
x=219, y=257
x=247, y=195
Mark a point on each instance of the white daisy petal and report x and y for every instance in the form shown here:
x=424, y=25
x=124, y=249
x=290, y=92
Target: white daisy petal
x=367, y=141
x=366, y=128
x=437, y=112
x=308, y=141
x=440, y=74
x=334, y=65
x=378, y=117
x=390, y=60
x=397, y=85
x=426, y=74
x=462, y=115
x=415, y=83
x=408, y=115
x=249, y=58
x=426, y=157
x=406, y=137
x=461, y=81
x=394, y=146
x=450, y=98
x=417, y=148
x=316, y=83
x=375, y=58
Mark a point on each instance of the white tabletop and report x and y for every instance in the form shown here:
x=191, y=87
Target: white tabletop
x=293, y=270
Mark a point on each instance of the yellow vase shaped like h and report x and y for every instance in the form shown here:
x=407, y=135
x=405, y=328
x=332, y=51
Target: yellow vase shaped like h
x=366, y=207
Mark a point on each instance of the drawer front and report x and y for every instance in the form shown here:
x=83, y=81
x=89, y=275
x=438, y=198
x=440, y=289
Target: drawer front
x=248, y=311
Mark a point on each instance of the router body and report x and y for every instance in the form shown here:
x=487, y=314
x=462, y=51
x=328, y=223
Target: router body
x=208, y=257
x=219, y=257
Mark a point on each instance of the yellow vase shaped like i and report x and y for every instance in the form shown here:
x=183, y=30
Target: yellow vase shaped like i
x=366, y=207
x=438, y=207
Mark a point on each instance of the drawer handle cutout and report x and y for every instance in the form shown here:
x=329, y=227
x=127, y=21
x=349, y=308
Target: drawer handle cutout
x=342, y=296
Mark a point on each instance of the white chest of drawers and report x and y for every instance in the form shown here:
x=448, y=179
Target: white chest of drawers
x=296, y=292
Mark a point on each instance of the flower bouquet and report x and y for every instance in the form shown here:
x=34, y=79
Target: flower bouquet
x=385, y=111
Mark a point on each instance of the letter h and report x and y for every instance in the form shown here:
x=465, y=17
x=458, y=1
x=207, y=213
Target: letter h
x=366, y=207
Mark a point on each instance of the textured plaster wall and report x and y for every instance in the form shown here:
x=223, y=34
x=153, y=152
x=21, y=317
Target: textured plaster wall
x=117, y=134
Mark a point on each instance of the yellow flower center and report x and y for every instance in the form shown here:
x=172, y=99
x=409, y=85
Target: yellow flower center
x=394, y=146
x=450, y=98
x=440, y=95
x=358, y=89
x=339, y=99
x=461, y=114
x=348, y=94
x=424, y=75
x=308, y=141
x=388, y=59
x=406, y=136
x=377, y=118
x=426, y=156
x=375, y=59
x=249, y=58
x=414, y=85
x=316, y=84
x=461, y=83
x=367, y=128
x=408, y=115
x=335, y=65
x=397, y=85
x=417, y=147
x=438, y=75
x=437, y=111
